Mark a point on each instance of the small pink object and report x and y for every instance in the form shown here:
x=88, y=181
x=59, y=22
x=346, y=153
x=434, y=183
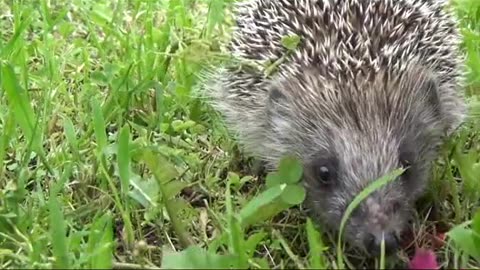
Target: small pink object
x=423, y=259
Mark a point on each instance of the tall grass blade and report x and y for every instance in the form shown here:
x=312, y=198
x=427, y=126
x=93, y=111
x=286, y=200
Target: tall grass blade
x=356, y=201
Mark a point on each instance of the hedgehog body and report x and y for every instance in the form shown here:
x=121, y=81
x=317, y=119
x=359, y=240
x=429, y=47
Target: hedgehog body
x=372, y=85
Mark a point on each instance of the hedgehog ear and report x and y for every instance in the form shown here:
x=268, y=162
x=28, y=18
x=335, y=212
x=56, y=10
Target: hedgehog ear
x=276, y=98
x=430, y=86
x=277, y=109
x=275, y=95
x=427, y=85
x=276, y=103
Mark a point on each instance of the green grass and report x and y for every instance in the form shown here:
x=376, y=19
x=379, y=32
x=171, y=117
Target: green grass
x=110, y=161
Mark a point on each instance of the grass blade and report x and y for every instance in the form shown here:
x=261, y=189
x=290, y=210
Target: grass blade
x=356, y=201
x=12, y=44
x=20, y=105
x=71, y=138
x=123, y=158
x=236, y=235
x=316, y=246
x=58, y=234
x=99, y=126
x=100, y=243
x=8, y=130
x=215, y=15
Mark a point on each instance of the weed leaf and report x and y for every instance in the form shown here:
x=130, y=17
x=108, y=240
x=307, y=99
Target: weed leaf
x=293, y=194
x=464, y=240
x=197, y=258
x=100, y=243
x=316, y=246
x=290, y=42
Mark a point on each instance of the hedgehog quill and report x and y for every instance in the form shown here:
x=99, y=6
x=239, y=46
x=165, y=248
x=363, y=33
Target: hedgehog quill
x=372, y=86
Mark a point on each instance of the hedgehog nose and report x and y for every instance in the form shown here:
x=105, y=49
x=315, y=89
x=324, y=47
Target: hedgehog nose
x=373, y=243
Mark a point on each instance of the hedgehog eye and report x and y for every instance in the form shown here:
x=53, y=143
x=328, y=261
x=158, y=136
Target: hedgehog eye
x=405, y=163
x=324, y=174
x=323, y=168
x=396, y=206
x=405, y=160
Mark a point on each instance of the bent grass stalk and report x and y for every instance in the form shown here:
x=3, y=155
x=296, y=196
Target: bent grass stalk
x=356, y=201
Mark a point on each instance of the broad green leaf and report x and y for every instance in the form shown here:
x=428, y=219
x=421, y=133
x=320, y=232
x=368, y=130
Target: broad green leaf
x=476, y=222
x=470, y=181
x=197, y=258
x=164, y=171
x=182, y=210
x=161, y=167
x=290, y=169
x=273, y=179
x=291, y=42
x=100, y=243
x=145, y=192
x=174, y=187
x=101, y=14
x=261, y=262
x=476, y=230
x=234, y=179
x=264, y=206
x=474, y=107
x=253, y=241
x=464, y=240
x=293, y=194
x=179, y=126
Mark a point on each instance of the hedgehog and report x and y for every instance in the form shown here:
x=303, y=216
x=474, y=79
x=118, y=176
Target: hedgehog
x=371, y=86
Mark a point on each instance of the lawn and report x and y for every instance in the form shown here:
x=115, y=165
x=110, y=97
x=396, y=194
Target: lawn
x=109, y=159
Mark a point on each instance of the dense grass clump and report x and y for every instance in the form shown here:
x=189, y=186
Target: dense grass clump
x=109, y=160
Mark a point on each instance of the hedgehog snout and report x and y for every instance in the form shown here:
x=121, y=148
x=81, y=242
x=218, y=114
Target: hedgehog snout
x=373, y=242
x=383, y=221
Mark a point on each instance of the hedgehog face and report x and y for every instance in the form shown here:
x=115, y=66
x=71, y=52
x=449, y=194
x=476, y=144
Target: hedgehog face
x=370, y=142
x=334, y=177
x=350, y=133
